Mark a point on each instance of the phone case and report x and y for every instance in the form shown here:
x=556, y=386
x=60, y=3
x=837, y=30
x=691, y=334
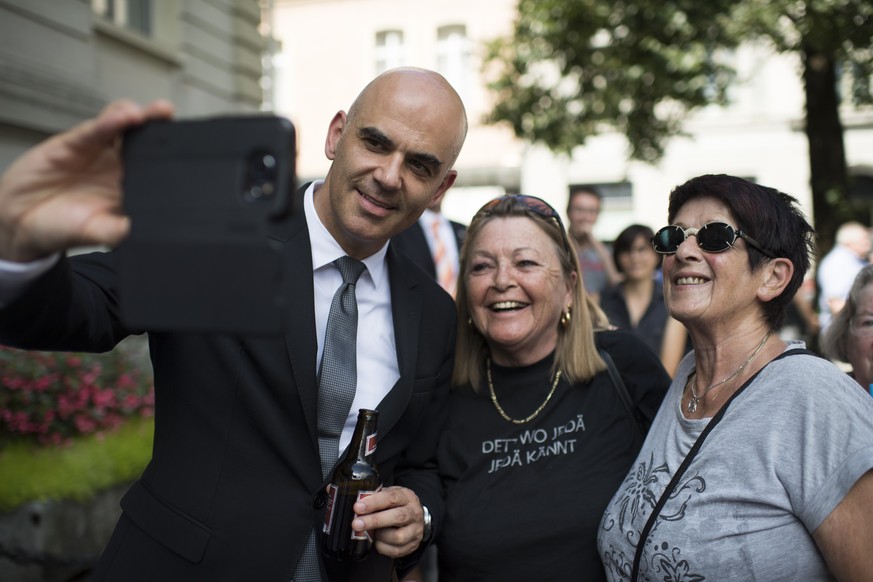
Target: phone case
x=202, y=196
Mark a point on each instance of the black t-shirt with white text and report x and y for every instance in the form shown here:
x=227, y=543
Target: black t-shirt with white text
x=524, y=501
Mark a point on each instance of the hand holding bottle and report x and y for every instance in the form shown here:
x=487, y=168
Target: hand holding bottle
x=395, y=518
x=361, y=514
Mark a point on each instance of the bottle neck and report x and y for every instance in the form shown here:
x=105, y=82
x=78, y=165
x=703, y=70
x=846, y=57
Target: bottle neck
x=363, y=444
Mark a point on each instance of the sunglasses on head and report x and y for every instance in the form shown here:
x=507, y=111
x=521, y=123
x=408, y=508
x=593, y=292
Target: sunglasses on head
x=536, y=205
x=532, y=203
x=714, y=237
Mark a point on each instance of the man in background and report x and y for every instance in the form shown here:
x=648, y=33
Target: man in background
x=836, y=272
x=434, y=243
x=598, y=268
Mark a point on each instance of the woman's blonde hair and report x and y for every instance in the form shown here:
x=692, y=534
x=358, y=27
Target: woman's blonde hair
x=576, y=353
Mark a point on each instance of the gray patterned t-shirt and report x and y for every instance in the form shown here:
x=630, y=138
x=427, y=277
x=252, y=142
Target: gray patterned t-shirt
x=783, y=457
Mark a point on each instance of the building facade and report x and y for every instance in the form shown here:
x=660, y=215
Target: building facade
x=61, y=61
x=331, y=48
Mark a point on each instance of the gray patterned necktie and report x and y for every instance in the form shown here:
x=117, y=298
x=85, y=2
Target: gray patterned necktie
x=338, y=374
x=337, y=379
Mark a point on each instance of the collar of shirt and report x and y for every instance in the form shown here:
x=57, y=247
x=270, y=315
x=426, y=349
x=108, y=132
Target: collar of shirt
x=325, y=248
x=377, y=365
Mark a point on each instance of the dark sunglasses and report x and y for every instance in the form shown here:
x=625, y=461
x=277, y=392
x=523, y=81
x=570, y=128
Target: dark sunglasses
x=714, y=237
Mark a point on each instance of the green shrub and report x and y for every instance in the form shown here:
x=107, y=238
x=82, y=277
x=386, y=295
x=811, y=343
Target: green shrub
x=76, y=470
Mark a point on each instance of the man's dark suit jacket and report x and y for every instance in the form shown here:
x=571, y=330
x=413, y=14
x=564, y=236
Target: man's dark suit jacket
x=234, y=485
x=413, y=243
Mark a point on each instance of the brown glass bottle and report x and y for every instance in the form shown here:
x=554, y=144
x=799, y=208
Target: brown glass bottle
x=354, y=478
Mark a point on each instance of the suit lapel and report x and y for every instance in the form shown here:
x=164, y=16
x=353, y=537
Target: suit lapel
x=301, y=339
x=406, y=306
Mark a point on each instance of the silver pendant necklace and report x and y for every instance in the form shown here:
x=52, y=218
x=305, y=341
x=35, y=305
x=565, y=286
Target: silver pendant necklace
x=695, y=399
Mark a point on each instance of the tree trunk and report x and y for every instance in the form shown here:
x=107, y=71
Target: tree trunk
x=827, y=156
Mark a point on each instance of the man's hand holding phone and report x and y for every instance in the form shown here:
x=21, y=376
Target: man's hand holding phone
x=66, y=191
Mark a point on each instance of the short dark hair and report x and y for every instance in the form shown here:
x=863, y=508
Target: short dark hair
x=583, y=189
x=771, y=217
x=624, y=242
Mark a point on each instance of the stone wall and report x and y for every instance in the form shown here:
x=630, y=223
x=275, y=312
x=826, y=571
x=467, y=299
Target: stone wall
x=57, y=541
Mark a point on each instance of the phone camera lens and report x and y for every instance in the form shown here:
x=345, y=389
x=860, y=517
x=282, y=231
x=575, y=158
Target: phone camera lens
x=261, y=177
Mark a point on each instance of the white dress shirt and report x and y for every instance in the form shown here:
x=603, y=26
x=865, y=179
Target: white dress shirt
x=378, y=369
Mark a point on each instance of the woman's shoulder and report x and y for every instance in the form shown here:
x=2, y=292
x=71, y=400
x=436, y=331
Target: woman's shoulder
x=618, y=340
x=798, y=360
x=814, y=378
x=612, y=298
x=628, y=351
x=803, y=363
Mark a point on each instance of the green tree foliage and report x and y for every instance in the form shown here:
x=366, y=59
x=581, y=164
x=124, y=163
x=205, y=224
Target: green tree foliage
x=573, y=68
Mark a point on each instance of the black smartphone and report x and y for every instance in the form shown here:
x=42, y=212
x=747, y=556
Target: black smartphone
x=202, y=196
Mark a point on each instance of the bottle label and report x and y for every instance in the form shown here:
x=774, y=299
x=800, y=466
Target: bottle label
x=331, y=505
x=371, y=444
x=364, y=535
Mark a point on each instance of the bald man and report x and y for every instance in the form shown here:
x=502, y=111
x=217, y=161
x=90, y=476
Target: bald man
x=235, y=488
x=836, y=272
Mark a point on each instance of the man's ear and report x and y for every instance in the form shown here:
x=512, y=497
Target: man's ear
x=775, y=276
x=444, y=186
x=334, y=133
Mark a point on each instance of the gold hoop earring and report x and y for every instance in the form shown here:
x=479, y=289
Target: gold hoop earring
x=565, y=317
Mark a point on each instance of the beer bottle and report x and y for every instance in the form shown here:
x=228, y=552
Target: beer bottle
x=355, y=478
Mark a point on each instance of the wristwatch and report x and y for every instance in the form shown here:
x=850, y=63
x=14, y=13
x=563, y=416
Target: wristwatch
x=428, y=525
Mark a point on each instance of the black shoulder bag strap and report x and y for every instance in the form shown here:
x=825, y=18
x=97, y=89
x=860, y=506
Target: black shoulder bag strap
x=647, y=529
x=623, y=394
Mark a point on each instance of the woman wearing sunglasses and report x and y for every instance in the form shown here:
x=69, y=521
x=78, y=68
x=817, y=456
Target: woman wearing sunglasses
x=538, y=437
x=758, y=464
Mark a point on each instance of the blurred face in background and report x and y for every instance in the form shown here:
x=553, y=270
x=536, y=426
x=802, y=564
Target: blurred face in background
x=858, y=240
x=639, y=262
x=582, y=212
x=859, y=345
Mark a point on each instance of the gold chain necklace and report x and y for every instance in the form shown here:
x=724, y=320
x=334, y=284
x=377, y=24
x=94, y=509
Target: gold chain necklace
x=692, y=402
x=535, y=412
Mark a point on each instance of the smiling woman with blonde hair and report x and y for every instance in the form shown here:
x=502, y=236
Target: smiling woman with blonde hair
x=534, y=411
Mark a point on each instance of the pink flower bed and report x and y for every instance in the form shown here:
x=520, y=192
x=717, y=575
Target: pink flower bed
x=51, y=397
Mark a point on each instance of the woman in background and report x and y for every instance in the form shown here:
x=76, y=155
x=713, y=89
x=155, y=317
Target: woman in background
x=849, y=337
x=637, y=303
